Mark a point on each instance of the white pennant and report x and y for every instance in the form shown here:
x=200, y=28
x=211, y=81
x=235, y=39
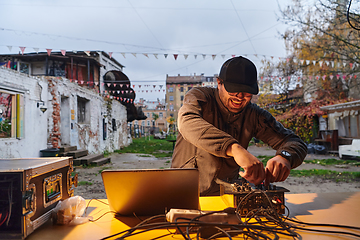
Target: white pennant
x=9, y=47
x=223, y=55
x=36, y=50
x=186, y=56
x=146, y=55
x=155, y=55
x=134, y=54
x=123, y=54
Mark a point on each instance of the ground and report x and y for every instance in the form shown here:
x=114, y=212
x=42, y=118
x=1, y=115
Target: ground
x=91, y=183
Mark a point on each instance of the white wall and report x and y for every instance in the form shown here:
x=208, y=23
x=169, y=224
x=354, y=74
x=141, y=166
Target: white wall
x=35, y=122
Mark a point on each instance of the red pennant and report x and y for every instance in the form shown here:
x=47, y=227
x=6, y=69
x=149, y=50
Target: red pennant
x=63, y=52
x=175, y=56
x=49, y=51
x=22, y=50
x=110, y=54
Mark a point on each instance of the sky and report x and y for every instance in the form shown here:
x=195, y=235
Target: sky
x=139, y=33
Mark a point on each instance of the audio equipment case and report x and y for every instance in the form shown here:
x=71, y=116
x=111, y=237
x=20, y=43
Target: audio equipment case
x=29, y=190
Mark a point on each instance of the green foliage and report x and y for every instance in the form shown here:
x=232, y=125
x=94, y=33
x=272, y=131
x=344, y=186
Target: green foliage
x=157, y=147
x=5, y=129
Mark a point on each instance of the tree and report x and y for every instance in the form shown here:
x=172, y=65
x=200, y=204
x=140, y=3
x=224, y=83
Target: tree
x=325, y=46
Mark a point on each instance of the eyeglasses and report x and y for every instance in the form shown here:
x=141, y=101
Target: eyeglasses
x=240, y=94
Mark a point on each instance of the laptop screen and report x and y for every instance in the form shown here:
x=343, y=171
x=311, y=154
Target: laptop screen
x=147, y=192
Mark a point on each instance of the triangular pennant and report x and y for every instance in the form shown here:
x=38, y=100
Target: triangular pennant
x=320, y=63
x=302, y=61
x=123, y=54
x=165, y=55
x=204, y=55
x=146, y=55
x=307, y=62
x=314, y=62
x=22, y=49
x=87, y=53
x=110, y=54
x=36, y=50
x=48, y=51
x=223, y=55
x=9, y=47
x=134, y=54
x=63, y=52
x=109, y=84
x=213, y=56
x=195, y=56
x=114, y=84
x=156, y=55
x=175, y=56
x=186, y=56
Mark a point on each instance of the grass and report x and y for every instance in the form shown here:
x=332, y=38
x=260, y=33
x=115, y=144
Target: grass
x=84, y=183
x=327, y=174
x=159, y=148
x=332, y=161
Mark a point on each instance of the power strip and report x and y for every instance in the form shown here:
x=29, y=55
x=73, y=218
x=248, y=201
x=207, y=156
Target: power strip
x=181, y=215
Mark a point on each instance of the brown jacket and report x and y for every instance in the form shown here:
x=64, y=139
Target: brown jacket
x=207, y=128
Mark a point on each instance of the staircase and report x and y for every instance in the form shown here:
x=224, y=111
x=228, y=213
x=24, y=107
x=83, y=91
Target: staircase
x=81, y=156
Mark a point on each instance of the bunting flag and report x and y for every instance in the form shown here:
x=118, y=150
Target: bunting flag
x=87, y=53
x=63, y=52
x=9, y=47
x=123, y=55
x=175, y=56
x=110, y=54
x=36, y=50
x=22, y=49
x=49, y=51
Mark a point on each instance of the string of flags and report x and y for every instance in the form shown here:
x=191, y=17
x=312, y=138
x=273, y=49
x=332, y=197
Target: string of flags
x=302, y=62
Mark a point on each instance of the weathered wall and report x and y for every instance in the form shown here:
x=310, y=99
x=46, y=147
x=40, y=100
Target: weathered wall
x=59, y=124
x=35, y=122
x=90, y=134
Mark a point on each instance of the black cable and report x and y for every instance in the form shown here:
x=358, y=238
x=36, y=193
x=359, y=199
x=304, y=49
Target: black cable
x=348, y=17
x=323, y=225
x=102, y=216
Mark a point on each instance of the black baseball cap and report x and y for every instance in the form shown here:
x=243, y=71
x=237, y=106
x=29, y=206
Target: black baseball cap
x=239, y=74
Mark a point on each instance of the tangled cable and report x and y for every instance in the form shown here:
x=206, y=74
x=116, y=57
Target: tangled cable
x=261, y=223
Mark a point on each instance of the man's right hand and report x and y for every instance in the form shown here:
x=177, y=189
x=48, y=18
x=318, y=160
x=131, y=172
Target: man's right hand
x=254, y=170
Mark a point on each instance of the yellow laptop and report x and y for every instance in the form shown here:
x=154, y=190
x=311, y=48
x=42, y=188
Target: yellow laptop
x=147, y=192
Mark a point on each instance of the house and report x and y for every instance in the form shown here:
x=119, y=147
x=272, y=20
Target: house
x=51, y=101
x=345, y=118
x=155, y=117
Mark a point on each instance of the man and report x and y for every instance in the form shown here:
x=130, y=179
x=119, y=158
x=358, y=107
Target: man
x=216, y=126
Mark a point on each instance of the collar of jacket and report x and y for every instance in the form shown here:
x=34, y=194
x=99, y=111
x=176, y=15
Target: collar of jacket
x=226, y=114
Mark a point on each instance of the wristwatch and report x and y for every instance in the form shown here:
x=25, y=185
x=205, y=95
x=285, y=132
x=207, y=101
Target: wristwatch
x=285, y=154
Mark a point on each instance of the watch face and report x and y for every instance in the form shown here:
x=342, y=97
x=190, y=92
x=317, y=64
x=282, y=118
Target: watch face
x=286, y=153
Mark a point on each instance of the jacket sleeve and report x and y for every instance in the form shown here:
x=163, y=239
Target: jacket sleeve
x=196, y=130
x=279, y=138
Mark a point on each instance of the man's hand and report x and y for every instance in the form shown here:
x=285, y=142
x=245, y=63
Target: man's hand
x=253, y=168
x=277, y=170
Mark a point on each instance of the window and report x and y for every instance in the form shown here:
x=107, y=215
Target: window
x=24, y=67
x=148, y=115
x=171, y=107
x=142, y=123
x=160, y=114
x=181, y=89
x=171, y=98
x=171, y=115
x=182, y=98
x=171, y=89
x=11, y=115
x=148, y=122
x=83, y=110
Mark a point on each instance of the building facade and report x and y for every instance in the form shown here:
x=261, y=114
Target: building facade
x=50, y=110
x=178, y=86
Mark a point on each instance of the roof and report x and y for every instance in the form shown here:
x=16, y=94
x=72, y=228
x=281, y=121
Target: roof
x=41, y=56
x=183, y=79
x=342, y=106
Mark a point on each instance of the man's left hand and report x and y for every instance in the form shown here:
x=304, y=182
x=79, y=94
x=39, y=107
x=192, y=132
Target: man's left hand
x=277, y=170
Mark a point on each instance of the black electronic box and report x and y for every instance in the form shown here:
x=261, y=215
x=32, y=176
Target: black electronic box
x=29, y=190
